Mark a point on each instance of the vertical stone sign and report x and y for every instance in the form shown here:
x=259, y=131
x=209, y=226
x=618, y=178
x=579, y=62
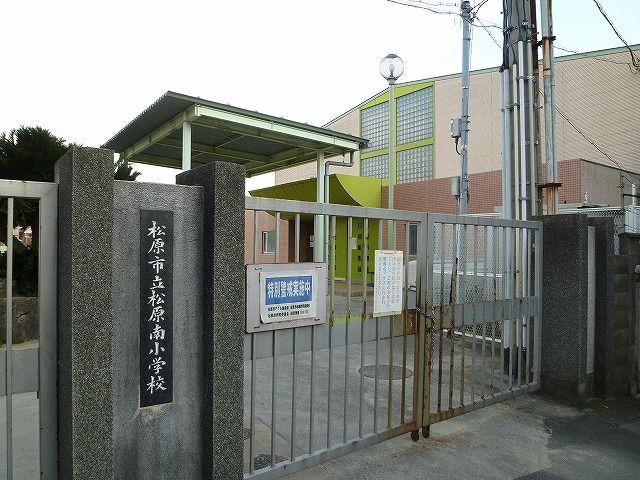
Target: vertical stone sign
x=156, y=307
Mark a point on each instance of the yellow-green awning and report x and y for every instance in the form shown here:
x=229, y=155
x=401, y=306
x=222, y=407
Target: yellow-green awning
x=343, y=190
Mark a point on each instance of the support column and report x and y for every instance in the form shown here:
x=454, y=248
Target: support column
x=319, y=220
x=223, y=315
x=186, y=146
x=85, y=313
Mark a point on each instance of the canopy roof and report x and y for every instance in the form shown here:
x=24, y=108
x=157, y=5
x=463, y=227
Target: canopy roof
x=343, y=190
x=260, y=142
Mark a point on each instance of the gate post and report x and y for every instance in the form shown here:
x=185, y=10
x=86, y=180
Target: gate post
x=85, y=370
x=223, y=315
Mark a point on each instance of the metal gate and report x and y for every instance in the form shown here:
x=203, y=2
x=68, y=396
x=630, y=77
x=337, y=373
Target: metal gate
x=28, y=398
x=468, y=335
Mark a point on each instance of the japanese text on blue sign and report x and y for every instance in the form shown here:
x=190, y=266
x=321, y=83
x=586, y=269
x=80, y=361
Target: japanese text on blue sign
x=288, y=289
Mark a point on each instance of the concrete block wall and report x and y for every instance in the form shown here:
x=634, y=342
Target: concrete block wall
x=565, y=375
x=625, y=373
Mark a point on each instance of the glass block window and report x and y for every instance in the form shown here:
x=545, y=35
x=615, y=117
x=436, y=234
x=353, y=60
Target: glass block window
x=377, y=166
x=375, y=126
x=415, y=164
x=415, y=116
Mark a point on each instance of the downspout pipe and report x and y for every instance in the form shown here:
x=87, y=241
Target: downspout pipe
x=328, y=164
x=334, y=163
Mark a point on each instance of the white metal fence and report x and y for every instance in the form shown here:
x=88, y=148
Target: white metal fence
x=468, y=335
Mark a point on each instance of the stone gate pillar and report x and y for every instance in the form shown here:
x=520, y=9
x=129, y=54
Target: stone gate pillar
x=85, y=318
x=223, y=318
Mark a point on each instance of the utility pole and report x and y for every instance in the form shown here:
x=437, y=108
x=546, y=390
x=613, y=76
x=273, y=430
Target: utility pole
x=465, y=9
x=548, y=72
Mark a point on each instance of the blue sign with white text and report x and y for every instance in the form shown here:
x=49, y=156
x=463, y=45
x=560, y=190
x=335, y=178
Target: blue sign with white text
x=293, y=289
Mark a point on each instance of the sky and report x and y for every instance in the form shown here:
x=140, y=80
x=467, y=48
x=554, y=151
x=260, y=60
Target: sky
x=85, y=69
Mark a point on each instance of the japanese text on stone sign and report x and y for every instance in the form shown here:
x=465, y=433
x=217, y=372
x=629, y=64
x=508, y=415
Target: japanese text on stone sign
x=155, y=321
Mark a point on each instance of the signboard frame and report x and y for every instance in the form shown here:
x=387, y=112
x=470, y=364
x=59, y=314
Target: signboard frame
x=256, y=281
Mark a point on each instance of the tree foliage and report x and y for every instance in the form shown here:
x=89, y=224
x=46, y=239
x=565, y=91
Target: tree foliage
x=30, y=153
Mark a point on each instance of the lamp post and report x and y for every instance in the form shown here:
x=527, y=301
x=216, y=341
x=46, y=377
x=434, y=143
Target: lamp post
x=391, y=68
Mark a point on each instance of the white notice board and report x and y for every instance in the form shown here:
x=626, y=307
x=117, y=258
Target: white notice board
x=388, y=281
x=285, y=295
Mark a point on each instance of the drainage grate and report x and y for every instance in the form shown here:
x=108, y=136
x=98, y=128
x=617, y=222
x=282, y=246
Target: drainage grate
x=263, y=460
x=383, y=372
x=246, y=433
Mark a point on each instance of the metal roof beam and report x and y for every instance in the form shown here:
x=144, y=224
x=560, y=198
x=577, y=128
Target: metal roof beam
x=275, y=131
x=159, y=133
x=223, y=152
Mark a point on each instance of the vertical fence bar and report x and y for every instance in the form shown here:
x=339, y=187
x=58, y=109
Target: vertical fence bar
x=255, y=236
x=293, y=372
x=297, y=238
x=252, y=407
x=527, y=324
x=9, y=339
x=312, y=387
x=293, y=397
x=475, y=308
x=537, y=339
x=463, y=301
x=424, y=293
x=512, y=313
x=365, y=253
x=407, y=227
x=452, y=301
x=390, y=383
x=332, y=277
x=346, y=329
x=500, y=322
x=274, y=377
x=494, y=235
x=375, y=384
x=277, y=237
x=275, y=361
x=441, y=319
x=485, y=295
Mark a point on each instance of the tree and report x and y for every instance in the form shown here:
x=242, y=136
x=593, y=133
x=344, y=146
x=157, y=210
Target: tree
x=124, y=171
x=30, y=153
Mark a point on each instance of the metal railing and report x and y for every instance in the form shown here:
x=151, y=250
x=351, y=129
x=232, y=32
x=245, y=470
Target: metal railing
x=317, y=392
x=29, y=386
x=485, y=312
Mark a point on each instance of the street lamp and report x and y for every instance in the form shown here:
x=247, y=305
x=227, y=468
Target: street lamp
x=391, y=68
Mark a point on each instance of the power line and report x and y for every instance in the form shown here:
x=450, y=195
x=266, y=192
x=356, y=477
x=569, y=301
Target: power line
x=488, y=33
x=429, y=6
x=584, y=55
x=634, y=60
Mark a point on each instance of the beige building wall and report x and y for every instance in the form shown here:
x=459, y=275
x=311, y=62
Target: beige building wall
x=348, y=123
x=598, y=93
x=485, y=136
x=601, y=183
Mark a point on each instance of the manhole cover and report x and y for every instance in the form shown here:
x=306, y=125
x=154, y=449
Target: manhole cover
x=246, y=433
x=384, y=370
x=263, y=460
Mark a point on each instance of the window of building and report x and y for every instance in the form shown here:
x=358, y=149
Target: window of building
x=269, y=242
x=374, y=122
x=414, y=116
x=415, y=164
x=412, y=249
x=377, y=166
